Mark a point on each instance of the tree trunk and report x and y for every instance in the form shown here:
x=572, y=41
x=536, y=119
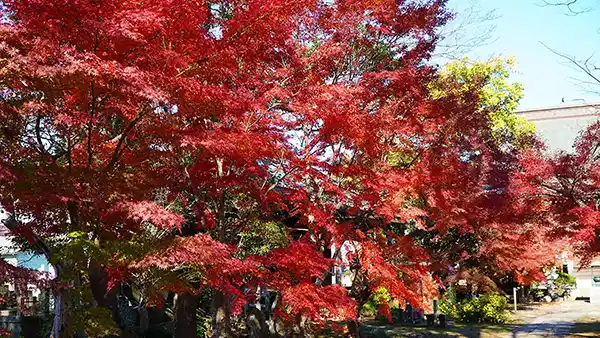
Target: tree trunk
x=221, y=323
x=186, y=315
x=353, y=330
x=98, y=282
x=227, y=320
x=144, y=320
x=256, y=324
x=99, y=286
x=58, y=315
x=217, y=314
x=61, y=325
x=303, y=327
x=353, y=325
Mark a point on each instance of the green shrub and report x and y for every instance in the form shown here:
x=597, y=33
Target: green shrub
x=448, y=304
x=565, y=280
x=381, y=296
x=488, y=308
x=368, y=310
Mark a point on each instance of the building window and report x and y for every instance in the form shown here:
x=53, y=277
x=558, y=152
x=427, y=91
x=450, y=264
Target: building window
x=565, y=268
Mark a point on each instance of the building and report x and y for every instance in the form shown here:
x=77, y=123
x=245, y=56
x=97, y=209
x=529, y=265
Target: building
x=559, y=126
x=12, y=255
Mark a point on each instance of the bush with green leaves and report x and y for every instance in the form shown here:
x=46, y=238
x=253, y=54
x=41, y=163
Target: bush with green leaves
x=261, y=238
x=488, y=308
x=565, y=280
x=557, y=284
x=381, y=296
x=562, y=283
x=448, y=304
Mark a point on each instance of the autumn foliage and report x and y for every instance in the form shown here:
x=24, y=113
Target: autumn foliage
x=142, y=139
x=564, y=187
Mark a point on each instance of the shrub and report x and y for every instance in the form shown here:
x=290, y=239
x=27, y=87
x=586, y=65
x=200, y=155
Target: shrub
x=488, y=308
x=448, y=304
x=376, y=301
x=556, y=285
x=565, y=280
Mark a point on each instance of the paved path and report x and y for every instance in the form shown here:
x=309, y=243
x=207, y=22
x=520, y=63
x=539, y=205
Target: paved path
x=555, y=320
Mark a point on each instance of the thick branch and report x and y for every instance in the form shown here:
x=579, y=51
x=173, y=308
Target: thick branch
x=38, y=134
x=117, y=153
x=11, y=223
x=89, y=126
x=280, y=179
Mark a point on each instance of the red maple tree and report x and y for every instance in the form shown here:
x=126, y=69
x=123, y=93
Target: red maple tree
x=190, y=121
x=564, y=187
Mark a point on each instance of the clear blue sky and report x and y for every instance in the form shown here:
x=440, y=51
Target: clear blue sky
x=522, y=26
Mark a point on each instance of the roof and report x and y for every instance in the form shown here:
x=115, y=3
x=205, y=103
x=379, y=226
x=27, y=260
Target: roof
x=562, y=111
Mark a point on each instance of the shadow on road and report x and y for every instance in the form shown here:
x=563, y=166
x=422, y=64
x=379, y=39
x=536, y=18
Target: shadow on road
x=586, y=328
x=557, y=329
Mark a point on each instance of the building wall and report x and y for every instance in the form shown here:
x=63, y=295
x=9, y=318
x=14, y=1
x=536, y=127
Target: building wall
x=559, y=126
x=584, y=282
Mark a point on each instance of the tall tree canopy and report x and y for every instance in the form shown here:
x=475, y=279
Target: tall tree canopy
x=151, y=137
x=501, y=239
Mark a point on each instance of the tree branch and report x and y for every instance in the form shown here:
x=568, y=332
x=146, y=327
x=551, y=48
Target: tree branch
x=231, y=40
x=11, y=223
x=89, y=126
x=117, y=153
x=584, y=66
x=473, y=27
x=568, y=4
x=38, y=134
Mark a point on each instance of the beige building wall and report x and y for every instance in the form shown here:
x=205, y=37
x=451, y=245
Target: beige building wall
x=559, y=126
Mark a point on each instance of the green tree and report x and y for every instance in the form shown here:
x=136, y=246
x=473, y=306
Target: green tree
x=499, y=97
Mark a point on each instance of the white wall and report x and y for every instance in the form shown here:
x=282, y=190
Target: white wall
x=559, y=126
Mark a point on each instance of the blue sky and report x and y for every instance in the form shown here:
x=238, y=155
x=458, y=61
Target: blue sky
x=520, y=29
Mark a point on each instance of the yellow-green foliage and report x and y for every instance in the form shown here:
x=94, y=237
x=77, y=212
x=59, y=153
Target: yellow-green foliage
x=262, y=238
x=96, y=322
x=400, y=159
x=565, y=280
x=381, y=296
x=499, y=97
x=488, y=308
